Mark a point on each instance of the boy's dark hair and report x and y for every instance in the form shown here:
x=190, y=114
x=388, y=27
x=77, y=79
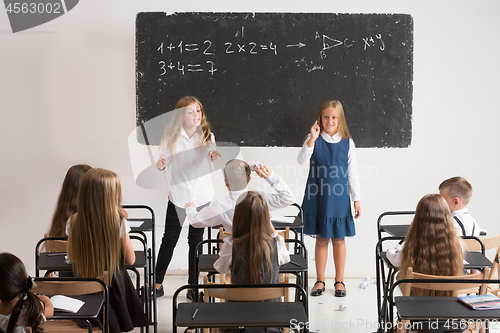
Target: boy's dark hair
x=457, y=187
x=237, y=174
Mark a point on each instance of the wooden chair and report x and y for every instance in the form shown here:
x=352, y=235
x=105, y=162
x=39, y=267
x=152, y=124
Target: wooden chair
x=489, y=243
x=284, y=278
x=57, y=245
x=47, y=245
x=62, y=322
x=456, y=288
x=246, y=294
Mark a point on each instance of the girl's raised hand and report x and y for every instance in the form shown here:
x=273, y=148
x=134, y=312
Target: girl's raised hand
x=314, y=134
x=315, y=130
x=214, y=155
x=162, y=163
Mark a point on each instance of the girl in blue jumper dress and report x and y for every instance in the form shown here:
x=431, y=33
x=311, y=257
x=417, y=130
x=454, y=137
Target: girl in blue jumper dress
x=332, y=180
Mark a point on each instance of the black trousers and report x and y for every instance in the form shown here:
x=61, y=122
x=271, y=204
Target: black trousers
x=173, y=226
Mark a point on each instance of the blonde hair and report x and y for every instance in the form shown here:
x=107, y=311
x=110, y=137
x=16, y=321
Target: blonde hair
x=174, y=128
x=95, y=228
x=342, y=127
x=252, y=236
x=237, y=174
x=432, y=246
x=457, y=187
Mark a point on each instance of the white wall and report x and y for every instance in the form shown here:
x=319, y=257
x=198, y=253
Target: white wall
x=67, y=95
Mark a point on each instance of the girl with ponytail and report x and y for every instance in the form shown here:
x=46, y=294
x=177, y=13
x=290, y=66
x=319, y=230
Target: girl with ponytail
x=19, y=307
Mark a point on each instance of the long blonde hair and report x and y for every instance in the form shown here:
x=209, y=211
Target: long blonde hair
x=432, y=246
x=252, y=235
x=95, y=228
x=174, y=128
x=342, y=127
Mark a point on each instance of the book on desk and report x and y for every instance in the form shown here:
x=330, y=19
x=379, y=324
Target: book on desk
x=481, y=302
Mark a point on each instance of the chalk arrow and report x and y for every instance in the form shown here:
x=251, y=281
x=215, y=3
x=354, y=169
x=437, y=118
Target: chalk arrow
x=299, y=45
x=327, y=40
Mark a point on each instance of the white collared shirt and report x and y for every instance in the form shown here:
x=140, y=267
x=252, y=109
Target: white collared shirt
x=223, y=264
x=191, y=170
x=468, y=222
x=221, y=210
x=352, y=165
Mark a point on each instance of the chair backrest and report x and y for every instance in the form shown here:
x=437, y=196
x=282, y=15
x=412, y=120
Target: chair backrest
x=245, y=294
x=489, y=243
x=73, y=287
x=68, y=288
x=455, y=287
x=54, y=245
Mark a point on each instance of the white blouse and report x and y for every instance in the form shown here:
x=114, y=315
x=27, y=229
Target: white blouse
x=22, y=321
x=124, y=228
x=223, y=264
x=221, y=210
x=191, y=170
x=352, y=164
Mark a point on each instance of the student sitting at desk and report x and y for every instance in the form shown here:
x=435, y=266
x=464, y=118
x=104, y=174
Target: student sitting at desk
x=457, y=192
x=99, y=243
x=431, y=245
x=237, y=176
x=255, y=251
x=19, y=307
x=67, y=201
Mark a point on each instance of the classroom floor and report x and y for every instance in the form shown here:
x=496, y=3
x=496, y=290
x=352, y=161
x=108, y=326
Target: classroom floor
x=360, y=314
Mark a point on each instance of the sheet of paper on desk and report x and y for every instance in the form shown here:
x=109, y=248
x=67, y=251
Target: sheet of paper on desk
x=135, y=224
x=282, y=219
x=65, y=303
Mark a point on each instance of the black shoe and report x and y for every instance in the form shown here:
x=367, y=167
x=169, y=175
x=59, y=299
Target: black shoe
x=340, y=293
x=159, y=292
x=191, y=295
x=318, y=292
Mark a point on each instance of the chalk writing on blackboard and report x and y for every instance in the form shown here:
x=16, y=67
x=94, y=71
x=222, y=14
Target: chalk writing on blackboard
x=262, y=76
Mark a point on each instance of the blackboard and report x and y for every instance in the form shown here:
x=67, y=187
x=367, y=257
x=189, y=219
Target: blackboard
x=261, y=77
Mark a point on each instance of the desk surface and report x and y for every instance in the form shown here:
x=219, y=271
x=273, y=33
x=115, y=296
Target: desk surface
x=89, y=310
x=206, y=264
x=297, y=223
x=55, y=261
x=147, y=224
x=414, y=307
x=249, y=314
x=396, y=230
x=475, y=260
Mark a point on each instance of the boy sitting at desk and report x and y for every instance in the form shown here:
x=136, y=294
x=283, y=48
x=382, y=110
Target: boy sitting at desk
x=237, y=176
x=457, y=192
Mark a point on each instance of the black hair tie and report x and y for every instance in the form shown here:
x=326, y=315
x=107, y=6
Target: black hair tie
x=28, y=284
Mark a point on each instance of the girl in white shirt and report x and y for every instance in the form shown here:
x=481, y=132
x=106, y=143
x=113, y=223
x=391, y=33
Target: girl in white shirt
x=187, y=148
x=19, y=307
x=255, y=251
x=99, y=244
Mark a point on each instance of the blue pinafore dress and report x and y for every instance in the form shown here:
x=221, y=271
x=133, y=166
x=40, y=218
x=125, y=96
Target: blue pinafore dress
x=327, y=203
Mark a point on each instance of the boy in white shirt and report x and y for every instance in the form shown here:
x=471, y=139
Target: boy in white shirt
x=457, y=192
x=237, y=176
